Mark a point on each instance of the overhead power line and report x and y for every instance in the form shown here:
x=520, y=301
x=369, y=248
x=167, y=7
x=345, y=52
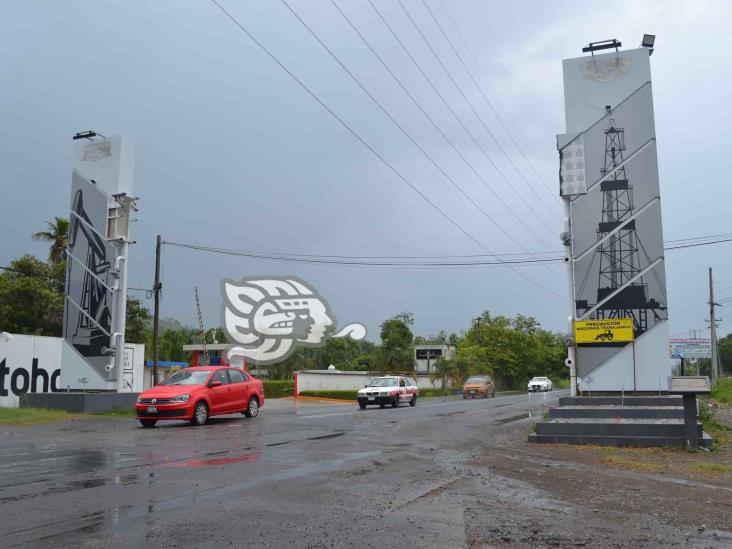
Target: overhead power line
x=439, y=130
x=369, y=146
x=508, y=115
x=405, y=132
x=344, y=260
x=695, y=244
x=478, y=260
x=471, y=107
x=457, y=118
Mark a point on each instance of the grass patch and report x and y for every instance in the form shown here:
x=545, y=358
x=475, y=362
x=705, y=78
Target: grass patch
x=707, y=415
x=722, y=390
x=34, y=416
x=631, y=464
x=117, y=412
x=278, y=388
x=711, y=468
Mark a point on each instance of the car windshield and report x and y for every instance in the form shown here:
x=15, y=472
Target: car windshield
x=539, y=379
x=187, y=377
x=383, y=382
x=475, y=379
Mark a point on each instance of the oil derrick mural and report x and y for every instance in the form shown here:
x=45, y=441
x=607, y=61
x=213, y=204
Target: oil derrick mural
x=621, y=291
x=89, y=275
x=93, y=319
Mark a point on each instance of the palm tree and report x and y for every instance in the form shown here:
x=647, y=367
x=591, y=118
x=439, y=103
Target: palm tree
x=58, y=235
x=444, y=370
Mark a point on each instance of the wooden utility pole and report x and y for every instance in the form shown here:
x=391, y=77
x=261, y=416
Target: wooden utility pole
x=156, y=313
x=713, y=329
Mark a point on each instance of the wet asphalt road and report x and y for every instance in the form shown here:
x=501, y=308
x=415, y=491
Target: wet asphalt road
x=299, y=475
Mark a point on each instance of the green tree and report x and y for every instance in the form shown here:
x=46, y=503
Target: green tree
x=32, y=297
x=138, y=321
x=512, y=349
x=725, y=354
x=395, y=354
x=58, y=235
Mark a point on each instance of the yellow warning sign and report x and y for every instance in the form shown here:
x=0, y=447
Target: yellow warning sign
x=611, y=330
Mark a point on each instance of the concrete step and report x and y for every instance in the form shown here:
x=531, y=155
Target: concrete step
x=634, y=427
x=609, y=440
x=610, y=411
x=624, y=401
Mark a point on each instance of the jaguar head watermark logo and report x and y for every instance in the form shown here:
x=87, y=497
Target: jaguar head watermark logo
x=267, y=318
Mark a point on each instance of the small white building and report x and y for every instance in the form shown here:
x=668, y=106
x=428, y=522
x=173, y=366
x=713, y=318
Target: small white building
x=426, y=355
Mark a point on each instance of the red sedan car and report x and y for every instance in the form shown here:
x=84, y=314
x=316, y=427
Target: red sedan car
x=196, y=393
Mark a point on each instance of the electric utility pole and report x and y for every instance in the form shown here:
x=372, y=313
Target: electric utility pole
x=156, y=313
x=713, y=329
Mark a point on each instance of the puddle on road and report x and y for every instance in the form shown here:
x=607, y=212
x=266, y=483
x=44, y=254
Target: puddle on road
x=511, y=419
x=446, y=414
x=246, y=458
x=331, y=435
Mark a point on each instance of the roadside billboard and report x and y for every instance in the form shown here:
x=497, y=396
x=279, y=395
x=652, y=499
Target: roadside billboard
x=690, y=348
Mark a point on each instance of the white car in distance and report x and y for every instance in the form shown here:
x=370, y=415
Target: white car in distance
x=540, y=384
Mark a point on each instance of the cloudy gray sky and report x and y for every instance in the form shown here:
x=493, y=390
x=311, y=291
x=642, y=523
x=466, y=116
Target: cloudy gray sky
x=231, y=152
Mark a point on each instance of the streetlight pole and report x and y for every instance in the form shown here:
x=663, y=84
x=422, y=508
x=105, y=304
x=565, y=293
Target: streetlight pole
x=568, y=260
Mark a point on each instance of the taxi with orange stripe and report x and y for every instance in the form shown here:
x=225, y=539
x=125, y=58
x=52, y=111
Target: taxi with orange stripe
x=391, y=390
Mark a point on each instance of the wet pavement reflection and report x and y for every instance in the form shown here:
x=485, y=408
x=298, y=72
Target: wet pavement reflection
x=98, y=478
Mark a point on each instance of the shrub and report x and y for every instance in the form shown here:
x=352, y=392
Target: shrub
x=342, y=395
x=560, y=383
x=722, y=390
x=430, y=392
x=278, y=389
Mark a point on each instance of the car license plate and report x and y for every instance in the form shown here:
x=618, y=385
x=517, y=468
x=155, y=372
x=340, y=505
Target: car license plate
x=152, y=410
x=372, y=398
x=472, y=392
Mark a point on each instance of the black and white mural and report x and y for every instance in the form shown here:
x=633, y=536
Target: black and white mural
x=88, y=310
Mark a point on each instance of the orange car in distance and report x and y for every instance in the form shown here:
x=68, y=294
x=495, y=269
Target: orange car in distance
x=479, y=386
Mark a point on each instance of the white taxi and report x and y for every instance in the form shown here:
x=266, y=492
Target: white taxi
x=393, y=390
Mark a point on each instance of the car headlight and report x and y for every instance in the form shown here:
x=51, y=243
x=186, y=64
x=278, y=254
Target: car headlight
x=180, y=398
x=139, y=398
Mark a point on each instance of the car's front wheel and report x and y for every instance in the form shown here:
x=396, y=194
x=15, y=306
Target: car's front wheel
x=200, y=414
x=413, y=402
x=395, y=402
x=252, y=408
x=362, y=405
x=147, y=423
